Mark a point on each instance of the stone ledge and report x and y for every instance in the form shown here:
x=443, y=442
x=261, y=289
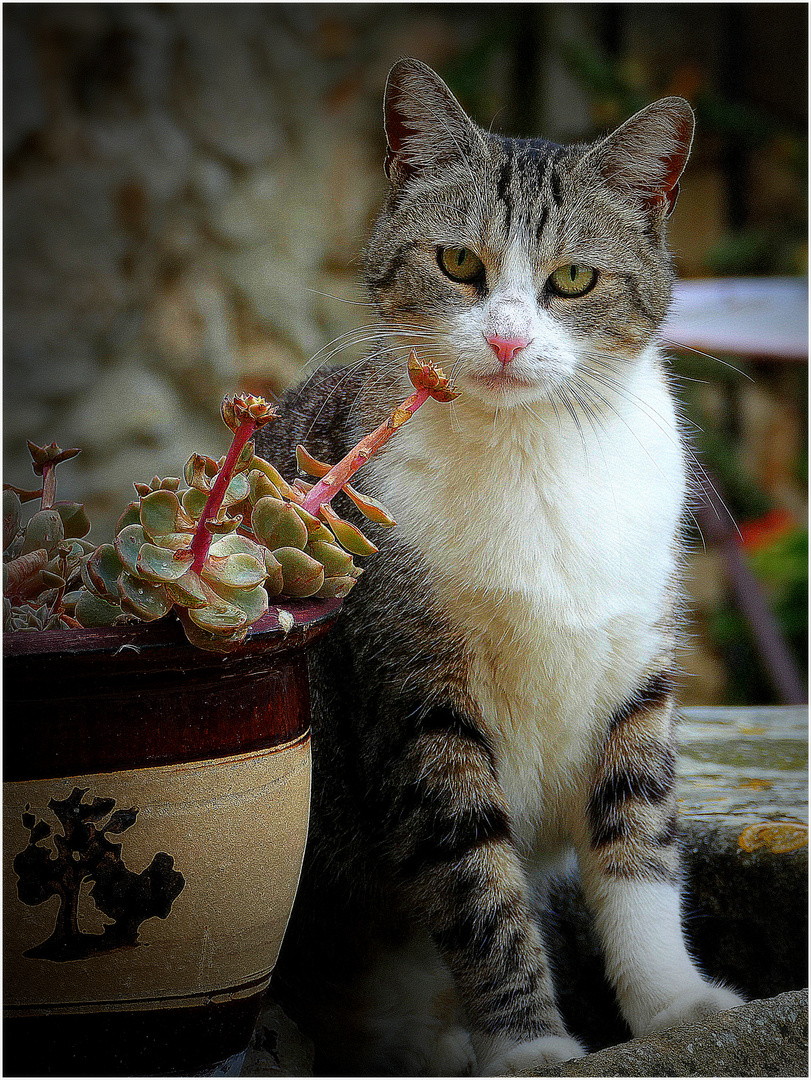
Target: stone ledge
x=764, y=1038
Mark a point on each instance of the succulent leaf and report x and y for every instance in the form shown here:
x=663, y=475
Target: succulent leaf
x=175, y=541
x=193, y=502
x=20, y=571
x=246, y=456
x=161, y=564
x=70, y=599
x=217, y=615
x=162, y=514
x=347, y=534
x=274, y=582
x=276, y=524
x=128, y=544
x=312, y=523
x=130, y=516
x=12, y=512
x=234, y=544
x=224, y=526
x=187, y=591
x=239, y=571
x=272, y=474
x=237, y=490
x=339, y=586
x=199, y=472
x=142, y=598
x=332, y=557
x=101, y=572
x=372, y=509
x=310, y=465
x=261, y=486
x=44, y=530
x=221, y=642
x=80, y=545
x=323, y=534
x=92, y=610
x=303, y=575
x=75, y=521
x=252, y=602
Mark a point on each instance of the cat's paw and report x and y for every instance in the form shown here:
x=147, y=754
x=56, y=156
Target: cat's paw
x=692, y=1005
x=514, y=1058
x=453, y=1054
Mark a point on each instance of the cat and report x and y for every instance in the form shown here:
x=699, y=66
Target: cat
x=498, y=691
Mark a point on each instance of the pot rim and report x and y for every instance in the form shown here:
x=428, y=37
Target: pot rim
x=310, y=616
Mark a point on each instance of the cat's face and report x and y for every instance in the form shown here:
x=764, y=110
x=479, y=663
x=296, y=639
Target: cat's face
x=530, y=271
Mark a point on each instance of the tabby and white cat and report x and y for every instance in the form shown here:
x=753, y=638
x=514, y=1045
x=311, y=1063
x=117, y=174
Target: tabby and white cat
x=498, y=690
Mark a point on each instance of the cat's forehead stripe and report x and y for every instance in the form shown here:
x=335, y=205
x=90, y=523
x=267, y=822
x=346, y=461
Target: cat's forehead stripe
x=542, y=223
x=503, y=186
x=527, y=167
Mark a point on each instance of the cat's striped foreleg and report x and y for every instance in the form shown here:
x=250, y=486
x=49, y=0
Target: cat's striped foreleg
x=629, y=867
x=450, y=840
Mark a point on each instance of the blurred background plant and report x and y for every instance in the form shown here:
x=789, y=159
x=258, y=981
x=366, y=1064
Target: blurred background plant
x=188, y=188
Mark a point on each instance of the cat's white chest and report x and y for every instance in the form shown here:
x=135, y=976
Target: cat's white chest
x=553, y=549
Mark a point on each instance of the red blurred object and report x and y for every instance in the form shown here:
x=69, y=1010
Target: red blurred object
x=758, y=534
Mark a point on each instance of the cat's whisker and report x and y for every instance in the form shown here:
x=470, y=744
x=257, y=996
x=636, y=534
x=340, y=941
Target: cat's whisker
x=382, y=374
x=609, y=405
x=362, y=336
x=342, y=299
x=349, y=371
x=588, y=393
x=707, y=356
x=685, y=422
x=643, y=406
x=564, y=397
x=619, y=416
x=655, y=464
x=527, y=408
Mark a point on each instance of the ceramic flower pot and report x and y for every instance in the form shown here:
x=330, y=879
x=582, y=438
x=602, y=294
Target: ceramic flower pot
x=156, y=800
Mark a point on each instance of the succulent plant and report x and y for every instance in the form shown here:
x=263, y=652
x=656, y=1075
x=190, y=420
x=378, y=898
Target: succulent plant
x=214, y=551
x=218, y=549
x=42, y=556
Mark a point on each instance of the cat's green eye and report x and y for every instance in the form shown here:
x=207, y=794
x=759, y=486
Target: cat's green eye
x=573, y=280
x=460, y=264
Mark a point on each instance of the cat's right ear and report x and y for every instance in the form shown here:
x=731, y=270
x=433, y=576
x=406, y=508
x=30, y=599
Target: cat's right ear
x=425, y=125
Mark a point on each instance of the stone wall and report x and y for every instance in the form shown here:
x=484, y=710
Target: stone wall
x=187, y=191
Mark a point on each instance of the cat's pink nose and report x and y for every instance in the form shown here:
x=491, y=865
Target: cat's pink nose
x=505, y=348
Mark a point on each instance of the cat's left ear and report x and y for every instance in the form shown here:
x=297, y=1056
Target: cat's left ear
x=645, y=157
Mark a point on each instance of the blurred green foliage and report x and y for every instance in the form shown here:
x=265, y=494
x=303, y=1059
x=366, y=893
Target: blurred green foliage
x=781, y=567
x=735, y=132
x=757, y=251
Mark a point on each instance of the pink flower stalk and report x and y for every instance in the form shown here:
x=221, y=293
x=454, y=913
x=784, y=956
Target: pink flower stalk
x=245, y=415
x=429, y=382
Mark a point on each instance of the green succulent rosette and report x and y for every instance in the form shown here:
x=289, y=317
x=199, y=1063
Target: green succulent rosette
x=262, y=546
x=148, y=569
x=218, y=549
x=42, y=558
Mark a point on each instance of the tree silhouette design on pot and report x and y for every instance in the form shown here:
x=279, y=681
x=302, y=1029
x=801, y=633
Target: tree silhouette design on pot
x=83, y=852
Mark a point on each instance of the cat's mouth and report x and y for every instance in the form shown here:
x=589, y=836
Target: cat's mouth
x=504, y=379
